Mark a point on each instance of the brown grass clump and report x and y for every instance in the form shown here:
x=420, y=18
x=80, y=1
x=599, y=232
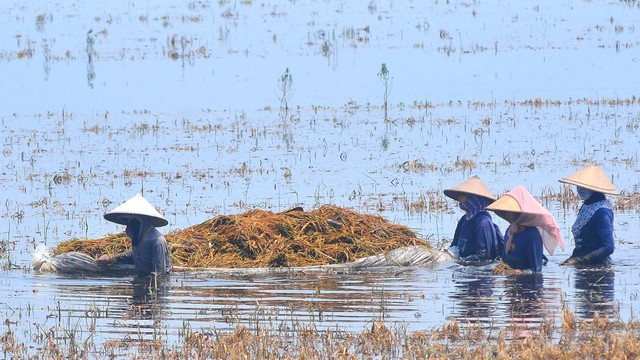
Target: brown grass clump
x=258, y=238
x=596, y=339
x=110, y=244
x=268, y=338
x=627, y=201
x=503, y=269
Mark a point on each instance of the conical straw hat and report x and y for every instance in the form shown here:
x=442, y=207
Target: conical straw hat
x=505, y=203
x=592, y=178
x=532, y=214
x=473, y=186
x=136, y=206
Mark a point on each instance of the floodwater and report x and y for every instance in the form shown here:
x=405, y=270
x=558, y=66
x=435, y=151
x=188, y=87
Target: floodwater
x=220, y=107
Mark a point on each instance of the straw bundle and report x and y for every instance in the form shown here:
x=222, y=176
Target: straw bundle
x=503, y=269
x=258, y=238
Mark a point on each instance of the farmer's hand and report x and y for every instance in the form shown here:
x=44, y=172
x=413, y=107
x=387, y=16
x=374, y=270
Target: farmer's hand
x=104, y=260
x=571, y=261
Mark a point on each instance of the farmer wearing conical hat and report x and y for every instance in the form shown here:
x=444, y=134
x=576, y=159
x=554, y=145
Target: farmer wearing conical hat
x=149, y=252
x=531, y=227
x=593, y=228
x=476, y=237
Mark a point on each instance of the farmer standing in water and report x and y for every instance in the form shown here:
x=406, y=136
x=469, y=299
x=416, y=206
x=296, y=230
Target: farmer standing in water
x=149, y=252
x=476, y=237
x=593, y=227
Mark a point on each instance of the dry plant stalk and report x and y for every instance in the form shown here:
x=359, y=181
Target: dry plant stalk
x=599, y=338
x=502, y=269
x=258, y=238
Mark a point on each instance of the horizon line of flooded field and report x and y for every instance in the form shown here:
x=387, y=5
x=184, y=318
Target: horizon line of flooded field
x=232, y=55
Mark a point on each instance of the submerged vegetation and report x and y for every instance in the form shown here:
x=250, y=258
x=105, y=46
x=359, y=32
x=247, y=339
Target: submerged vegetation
x=386, y=82
x=598, y=338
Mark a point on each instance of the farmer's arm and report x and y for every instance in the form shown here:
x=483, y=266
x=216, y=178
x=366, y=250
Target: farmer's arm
x=121, y=258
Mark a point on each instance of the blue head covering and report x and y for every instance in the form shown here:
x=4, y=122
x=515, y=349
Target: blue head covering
x=137, y=227
x=474, y=204
x=584, y=193
x=587, y=209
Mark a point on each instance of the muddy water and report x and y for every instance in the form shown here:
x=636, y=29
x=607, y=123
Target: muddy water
x=185, y=104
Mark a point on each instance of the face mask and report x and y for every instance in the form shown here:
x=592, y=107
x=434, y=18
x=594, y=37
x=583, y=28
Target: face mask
x=133, y=230
x=584, y=193
x=472, y=205
x=465, y=205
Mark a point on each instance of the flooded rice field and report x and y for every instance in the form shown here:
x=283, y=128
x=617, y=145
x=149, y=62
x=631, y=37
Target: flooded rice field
x=220, y=107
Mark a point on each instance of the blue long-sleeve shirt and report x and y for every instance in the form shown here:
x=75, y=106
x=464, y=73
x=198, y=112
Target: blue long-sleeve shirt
x=526, y=252
x=476, y=238
x=149, y=252
x=595, y=241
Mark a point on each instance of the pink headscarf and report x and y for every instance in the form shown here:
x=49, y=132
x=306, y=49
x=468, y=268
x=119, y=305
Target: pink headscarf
x=534, y=214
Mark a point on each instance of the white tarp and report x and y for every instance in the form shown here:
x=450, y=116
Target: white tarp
x=79, y=263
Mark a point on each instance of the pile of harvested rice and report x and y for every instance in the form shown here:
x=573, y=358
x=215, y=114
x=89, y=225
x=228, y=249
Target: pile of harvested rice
x=258, y=238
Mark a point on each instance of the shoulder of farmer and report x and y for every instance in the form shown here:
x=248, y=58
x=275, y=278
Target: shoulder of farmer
x=602, y=216
x=154, y=235
x=531, y=232
x=483, y=218
x=602, y=226
x=484, y=215
x=162, y=241
x=158, y=242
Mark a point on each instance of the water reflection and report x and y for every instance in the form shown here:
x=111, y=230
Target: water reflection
x=306, y=294
x=473, y=292
x=523, y=301
x=138, y=310
x=91, y=73
x=117, y=299
x=147, y=297
x=525, y=297
x=595, y=292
